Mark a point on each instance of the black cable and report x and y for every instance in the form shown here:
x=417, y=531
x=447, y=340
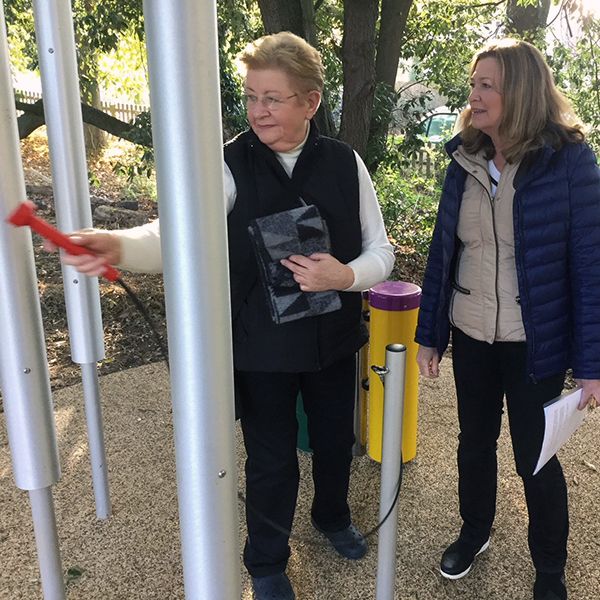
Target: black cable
x=148, y=318
x=312, y=541
x=389, y=512
x=159, y=340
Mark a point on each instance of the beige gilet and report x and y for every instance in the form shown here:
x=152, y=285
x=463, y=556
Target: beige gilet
x=485, y=296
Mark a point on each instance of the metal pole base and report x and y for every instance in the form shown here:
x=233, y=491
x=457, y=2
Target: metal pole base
x=93, y=415
x=46, y=540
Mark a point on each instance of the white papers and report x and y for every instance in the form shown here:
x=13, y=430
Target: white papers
x=562, y=420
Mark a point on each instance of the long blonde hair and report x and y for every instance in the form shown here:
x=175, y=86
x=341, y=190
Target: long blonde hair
x=534, y=111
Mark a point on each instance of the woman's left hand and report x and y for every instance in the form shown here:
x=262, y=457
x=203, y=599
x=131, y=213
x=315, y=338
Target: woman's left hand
x=319, y=272
x=590, y=392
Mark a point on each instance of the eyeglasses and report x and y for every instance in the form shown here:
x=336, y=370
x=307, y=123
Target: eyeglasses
x=268, y=102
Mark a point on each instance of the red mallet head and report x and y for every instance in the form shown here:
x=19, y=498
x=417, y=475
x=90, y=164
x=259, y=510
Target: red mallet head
x=23, y=214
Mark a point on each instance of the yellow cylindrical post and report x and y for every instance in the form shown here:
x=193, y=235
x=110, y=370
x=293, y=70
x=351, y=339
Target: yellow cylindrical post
x=394, y=306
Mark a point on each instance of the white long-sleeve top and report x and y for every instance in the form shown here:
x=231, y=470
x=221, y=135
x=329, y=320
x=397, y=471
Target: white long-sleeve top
x=141, y=245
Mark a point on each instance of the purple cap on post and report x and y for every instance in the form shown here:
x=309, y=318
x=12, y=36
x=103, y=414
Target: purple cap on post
x=395, y=295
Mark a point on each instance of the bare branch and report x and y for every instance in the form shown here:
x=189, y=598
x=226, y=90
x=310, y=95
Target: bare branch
x=33, y=118
x=482, y=5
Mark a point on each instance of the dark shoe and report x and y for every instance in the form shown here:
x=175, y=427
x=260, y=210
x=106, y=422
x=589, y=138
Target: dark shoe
x=348, y=542
x=273, y=587
x=458, y=558
x=549, y=586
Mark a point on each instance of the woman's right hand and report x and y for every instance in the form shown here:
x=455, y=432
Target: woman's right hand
x=104, y=247
x=428, y=361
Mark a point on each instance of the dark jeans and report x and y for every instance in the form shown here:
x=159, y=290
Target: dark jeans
x=483, y=374
x=272, y=476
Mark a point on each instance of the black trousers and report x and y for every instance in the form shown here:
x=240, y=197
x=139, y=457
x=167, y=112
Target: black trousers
x=270, y=430
x=484, y=374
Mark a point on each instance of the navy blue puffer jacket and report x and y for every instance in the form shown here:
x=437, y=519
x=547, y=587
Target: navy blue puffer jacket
x=556, y=216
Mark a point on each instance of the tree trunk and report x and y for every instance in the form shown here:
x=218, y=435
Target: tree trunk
x=527, y=22
x=358, y=59
x=90, y=91
x=323, y=118
x=282, y=15
x=394, y=14
x=95, y=139
x=308, y=22
x=392, y=25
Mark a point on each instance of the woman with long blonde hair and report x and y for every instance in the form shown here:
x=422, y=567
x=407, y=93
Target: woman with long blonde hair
x=513, y=276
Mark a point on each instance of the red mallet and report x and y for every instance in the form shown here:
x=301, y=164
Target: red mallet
x=25, y=215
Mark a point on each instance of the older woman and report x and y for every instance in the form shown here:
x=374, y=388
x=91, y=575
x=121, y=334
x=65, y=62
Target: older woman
x=514, y=274
x=280, y=164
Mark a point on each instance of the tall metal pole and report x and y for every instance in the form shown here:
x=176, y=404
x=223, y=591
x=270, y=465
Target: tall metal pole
x=186, y=125
x=24, y=376
x=62, y=108
x=391, y=464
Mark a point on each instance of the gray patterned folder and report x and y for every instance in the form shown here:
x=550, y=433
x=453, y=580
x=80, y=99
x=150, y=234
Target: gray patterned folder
x=297, y=231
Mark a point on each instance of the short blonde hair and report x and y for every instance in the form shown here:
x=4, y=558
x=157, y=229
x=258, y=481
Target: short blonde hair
x=288, y=53
x=534, y=111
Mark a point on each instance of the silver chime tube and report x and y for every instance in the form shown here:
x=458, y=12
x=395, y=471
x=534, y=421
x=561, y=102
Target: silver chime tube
x=391, y=465
x=182, y=48
x=62, y=109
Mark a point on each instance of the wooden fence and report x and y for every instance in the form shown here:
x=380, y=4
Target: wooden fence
x=427, y=164
x=121, y=110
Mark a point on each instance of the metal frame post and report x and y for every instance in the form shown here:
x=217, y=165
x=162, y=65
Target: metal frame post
x=62, y=109
x=182, y=48
x=24, y=376
x=391, y=464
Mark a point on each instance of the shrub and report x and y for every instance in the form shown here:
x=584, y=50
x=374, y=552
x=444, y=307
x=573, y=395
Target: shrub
x=409, y=204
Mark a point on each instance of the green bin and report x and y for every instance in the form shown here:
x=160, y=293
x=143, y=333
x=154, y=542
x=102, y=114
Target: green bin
x=302, y=442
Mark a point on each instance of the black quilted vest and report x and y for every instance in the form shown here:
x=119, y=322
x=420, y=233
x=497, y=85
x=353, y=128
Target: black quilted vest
x=325, y=175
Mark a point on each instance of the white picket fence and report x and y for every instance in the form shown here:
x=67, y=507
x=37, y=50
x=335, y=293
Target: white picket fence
x=121, y=110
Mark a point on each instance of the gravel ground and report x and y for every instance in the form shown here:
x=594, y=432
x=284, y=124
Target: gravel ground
x=136, y=553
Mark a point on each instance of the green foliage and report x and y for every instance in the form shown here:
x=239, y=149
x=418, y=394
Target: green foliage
x=405, y=140
x=21, y=36
x=140, y=162
x=122, y=72
x=576, y=67
x=441, y=39
x=100, y=28
x=139, y=186
x=385, y=102
x=329, y=21
x=408, y=203
x=99, y=24
x=236, y=27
